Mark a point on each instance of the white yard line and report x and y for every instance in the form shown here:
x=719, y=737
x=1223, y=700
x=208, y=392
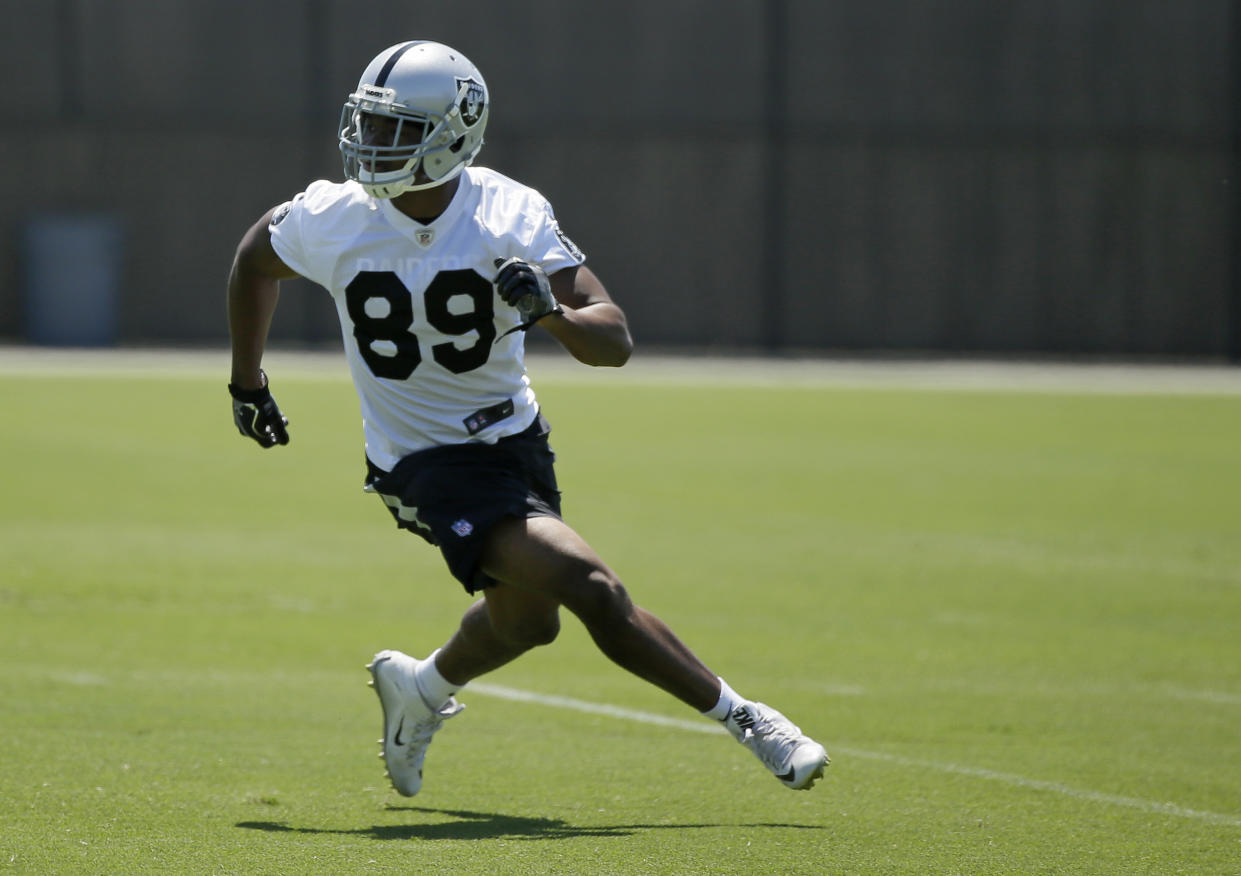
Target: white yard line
x=648, y=368
x=1012, y=779
x=523, y=696
x=1018, y=781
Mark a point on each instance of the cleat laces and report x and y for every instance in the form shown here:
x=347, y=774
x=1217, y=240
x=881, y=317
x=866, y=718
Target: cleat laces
x=773, y=741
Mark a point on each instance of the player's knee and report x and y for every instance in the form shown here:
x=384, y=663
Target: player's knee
x=605, y=601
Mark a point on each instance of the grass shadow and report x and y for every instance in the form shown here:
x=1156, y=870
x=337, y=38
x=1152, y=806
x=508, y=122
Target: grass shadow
x=468, y=825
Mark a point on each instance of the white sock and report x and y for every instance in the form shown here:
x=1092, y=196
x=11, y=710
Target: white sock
x=435, y=689
x=729, y=700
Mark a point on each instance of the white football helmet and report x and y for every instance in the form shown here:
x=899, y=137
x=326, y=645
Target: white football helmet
x=418, y=106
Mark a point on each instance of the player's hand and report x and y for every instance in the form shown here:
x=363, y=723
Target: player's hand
x=526, y=287
x=256, y=414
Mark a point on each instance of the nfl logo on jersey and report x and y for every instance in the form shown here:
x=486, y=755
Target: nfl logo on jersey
x=424, y=236
x=463, y=527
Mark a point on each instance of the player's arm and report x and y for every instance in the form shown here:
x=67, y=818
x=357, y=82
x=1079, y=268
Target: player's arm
x=253, y=290
x=592, y=326
x=573, y=306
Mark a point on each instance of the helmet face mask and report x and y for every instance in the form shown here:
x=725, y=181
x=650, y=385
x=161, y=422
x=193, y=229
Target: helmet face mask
x=415, y=121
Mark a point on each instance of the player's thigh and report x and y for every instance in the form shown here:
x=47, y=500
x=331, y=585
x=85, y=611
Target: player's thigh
x=546, y=556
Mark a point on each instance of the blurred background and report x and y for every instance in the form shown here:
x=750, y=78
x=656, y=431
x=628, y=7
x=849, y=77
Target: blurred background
x=968, y=177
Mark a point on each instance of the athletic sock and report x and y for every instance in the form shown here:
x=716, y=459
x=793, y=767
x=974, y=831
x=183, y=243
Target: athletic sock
x=435, y=689
x=729, y=700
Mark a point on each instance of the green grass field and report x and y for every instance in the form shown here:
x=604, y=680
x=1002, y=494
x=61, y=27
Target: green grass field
x=1013, y=617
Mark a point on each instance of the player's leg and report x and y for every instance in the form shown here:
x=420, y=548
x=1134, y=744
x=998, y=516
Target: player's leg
x=418, y=695
x=542, y=559
x=501, y=626
x=540, y=563
x=545, y=557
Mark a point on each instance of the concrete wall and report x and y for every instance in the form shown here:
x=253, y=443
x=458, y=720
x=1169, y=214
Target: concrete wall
x=967, y=176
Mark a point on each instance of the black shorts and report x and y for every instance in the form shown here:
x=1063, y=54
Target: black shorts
x=452, y=495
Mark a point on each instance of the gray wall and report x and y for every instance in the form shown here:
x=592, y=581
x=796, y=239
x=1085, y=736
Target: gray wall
x=966, y=175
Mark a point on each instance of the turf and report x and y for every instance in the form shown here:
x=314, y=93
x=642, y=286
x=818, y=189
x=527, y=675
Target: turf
x=1013, y=617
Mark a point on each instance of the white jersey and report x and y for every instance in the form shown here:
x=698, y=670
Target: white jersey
x=423, y=327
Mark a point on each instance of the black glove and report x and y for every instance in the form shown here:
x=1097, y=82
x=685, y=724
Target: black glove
x=526, y=287
x=257, y=416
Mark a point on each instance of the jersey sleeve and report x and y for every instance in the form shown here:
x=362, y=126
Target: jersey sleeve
x=285, y=230
x=291, y=236
x=550, y=247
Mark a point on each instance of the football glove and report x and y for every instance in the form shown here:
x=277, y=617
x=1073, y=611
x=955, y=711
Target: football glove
x=257, y=416
x=526, y=287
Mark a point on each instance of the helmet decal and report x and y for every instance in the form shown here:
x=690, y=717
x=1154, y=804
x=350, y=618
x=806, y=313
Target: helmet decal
x=472, y=103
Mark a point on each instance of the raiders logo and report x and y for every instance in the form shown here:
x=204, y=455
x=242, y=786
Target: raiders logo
x=473, y=102
x=283, y=210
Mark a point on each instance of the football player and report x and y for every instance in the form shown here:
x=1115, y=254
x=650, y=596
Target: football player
x=438, y=268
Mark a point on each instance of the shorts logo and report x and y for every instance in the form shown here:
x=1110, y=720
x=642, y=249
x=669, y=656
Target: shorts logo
x=463, y=527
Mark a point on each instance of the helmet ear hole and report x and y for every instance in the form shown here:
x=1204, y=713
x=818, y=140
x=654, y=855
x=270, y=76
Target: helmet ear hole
x=456, y=147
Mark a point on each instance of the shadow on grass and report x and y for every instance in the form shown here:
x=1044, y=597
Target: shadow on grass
x=489, y=825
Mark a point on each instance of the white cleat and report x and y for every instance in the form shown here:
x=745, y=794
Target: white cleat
x=409, y=723
x=792, y=756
